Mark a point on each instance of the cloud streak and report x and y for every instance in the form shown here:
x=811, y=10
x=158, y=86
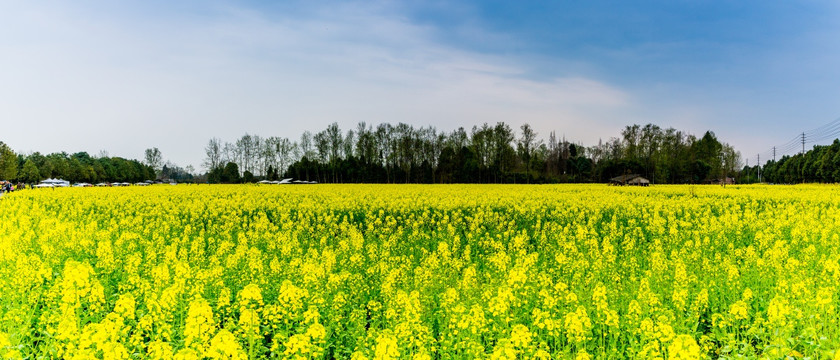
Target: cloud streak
x=106, y=80
x=127, y=77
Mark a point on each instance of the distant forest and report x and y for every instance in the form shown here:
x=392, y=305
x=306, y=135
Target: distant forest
x=485, y=154
x=820, y=164
x=78, y=167
x=404, y=154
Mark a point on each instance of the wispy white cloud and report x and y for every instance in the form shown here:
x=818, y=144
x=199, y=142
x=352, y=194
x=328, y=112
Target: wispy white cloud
x=108, y=79
x=125, y=77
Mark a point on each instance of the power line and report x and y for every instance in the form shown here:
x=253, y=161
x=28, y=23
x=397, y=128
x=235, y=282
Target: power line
x=832, y=124
x=792, y=142
x=827, y=131
x=826, y=136
x=784, y=150
x=821, y=133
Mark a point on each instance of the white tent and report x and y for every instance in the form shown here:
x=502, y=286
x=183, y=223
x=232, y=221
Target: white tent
x=56, y=182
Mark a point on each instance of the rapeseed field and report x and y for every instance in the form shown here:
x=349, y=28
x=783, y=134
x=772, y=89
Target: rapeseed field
x=420, y=272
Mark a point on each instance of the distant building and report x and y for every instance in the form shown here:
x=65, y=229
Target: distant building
x=631, y=179
x=726, y=181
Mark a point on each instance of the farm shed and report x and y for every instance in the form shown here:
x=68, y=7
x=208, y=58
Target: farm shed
x=726, y=181
x=631, y=179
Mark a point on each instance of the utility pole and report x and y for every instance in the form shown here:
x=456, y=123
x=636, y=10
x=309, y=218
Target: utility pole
x=774, y=154
x=722, y=171
x=758, y=162
x=803, y=143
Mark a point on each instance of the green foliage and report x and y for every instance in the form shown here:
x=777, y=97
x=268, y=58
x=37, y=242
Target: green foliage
x=81, y=167
x=8, y=163
x=495, y=154
x=30, y=173
x=248, y=177
x=820, y=164
x=230, y=174
x=215, y=175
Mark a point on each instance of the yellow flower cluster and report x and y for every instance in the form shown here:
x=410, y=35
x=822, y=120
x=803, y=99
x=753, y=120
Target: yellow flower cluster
x=421, y=272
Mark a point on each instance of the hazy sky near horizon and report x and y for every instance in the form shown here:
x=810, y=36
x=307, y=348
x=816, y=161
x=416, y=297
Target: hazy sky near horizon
x=125, y=76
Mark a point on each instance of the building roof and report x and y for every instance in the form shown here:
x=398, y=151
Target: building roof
x=624, y=178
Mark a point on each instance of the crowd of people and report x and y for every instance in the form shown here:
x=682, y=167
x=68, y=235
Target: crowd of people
x=7, y=186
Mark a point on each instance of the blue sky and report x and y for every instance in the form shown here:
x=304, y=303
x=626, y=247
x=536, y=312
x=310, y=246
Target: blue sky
x=124, y=76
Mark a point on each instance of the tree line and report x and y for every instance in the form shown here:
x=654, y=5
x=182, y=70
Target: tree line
x=496, y=153
x=403, y=153
x=78, y=167
x=820, y=164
